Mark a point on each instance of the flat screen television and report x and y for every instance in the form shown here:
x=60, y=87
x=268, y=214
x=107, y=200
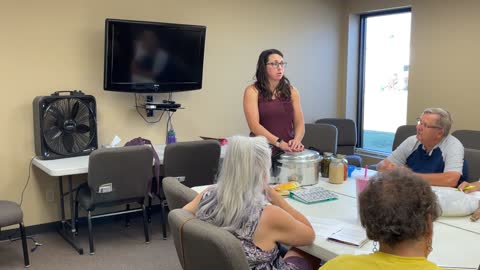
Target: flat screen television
x=153, y=57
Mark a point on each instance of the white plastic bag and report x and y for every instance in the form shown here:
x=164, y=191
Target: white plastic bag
x=455, y=203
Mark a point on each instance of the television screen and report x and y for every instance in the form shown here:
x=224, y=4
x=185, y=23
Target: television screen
x=153, y=57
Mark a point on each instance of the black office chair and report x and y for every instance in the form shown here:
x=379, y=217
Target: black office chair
x=347, y=138
x=116, y=176
x=469, y=138
x=321, y=138
x=11, y=214
x=196, y=163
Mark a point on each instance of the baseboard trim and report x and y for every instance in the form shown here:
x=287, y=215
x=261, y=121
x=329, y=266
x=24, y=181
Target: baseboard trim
x=52, y=226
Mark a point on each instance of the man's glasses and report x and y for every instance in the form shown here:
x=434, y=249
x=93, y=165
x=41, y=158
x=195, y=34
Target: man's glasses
x=277, y=64
x=419, y=122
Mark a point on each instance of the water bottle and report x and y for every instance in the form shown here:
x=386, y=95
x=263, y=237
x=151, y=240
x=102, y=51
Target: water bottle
x=171, y=138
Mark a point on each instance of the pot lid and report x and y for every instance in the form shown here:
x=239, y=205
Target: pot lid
x=304, y=156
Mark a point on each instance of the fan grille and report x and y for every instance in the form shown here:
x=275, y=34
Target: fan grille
x=68, y=126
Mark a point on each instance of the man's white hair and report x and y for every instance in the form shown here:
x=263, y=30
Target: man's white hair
x=444, y=120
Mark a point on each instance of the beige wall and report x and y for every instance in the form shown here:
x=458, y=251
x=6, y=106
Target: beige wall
x=58, y=45
x=443, y=61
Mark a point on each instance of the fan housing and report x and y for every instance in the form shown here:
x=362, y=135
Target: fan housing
x=64, y=125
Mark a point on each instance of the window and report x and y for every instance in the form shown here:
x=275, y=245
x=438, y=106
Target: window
x=383, y=77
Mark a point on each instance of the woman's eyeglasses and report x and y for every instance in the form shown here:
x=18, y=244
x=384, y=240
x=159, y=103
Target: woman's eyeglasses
x=277, y=64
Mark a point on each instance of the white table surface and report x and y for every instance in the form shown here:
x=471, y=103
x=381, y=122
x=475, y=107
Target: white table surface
x=453, y=246
x=348, y=189
x=79, y=165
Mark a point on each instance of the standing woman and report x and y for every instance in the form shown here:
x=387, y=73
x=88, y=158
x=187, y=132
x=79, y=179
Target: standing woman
x=272, y=105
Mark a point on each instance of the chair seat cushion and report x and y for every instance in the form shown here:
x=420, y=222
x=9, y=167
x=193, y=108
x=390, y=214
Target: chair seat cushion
x=10, y=213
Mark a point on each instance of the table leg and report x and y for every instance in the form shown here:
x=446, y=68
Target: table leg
x=62, y=202
x=70, y=187
x=68, y=235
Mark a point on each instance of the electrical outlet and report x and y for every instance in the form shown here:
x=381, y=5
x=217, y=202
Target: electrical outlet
x=50, y=195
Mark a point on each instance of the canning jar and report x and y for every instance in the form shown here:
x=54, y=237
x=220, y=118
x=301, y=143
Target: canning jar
x=345, y=164
x=325, y=163
x=336, y=171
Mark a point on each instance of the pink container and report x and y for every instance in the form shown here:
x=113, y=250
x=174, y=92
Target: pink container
x=361, y=182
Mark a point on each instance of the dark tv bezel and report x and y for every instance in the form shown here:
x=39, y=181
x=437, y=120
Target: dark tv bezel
x=108, y=85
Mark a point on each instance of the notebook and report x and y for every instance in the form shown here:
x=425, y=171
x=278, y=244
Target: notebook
x=312, y=195
x=351, y=235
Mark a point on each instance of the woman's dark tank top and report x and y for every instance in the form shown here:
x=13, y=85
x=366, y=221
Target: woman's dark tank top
x=276, y=116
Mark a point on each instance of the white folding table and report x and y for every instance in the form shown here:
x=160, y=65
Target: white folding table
x=456, y=241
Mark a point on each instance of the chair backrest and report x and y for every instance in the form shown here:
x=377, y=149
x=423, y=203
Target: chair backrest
x=472, y=157
x=322, y=137
x=201, y=245
x=347, y=134
x=469, y=138
x=197, y=161
x=125, y=171
x=402, y=133
x=176, y=193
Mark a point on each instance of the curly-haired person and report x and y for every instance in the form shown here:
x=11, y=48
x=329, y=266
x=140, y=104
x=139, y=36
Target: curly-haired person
x=397, y=209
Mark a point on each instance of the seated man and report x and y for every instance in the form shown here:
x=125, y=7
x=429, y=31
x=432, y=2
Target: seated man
x=433, y=154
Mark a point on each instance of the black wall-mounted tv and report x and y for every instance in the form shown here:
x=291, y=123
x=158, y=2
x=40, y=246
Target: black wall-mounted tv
x=153, y=57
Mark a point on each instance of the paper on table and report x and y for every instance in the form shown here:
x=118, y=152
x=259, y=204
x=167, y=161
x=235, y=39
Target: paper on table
x=338, y=231
x=350, y=234
x=324, y=227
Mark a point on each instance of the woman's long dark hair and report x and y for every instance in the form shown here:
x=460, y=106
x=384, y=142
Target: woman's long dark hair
x=262, y=84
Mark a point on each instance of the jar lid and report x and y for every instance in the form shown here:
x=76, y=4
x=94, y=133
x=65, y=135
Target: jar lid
x=336, y=160
x=299, y=157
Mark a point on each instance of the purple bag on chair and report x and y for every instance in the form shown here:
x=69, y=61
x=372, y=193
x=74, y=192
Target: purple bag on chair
x=142, y=141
